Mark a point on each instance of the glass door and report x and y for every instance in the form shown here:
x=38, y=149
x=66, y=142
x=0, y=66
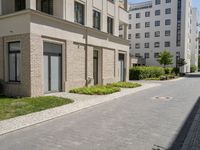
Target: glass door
x=121, y=67
x=52, y=67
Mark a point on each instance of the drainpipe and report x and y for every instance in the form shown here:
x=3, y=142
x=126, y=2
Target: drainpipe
x=86, y=56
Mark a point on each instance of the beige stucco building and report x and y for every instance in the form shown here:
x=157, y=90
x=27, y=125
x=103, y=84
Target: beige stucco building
x=56, y=45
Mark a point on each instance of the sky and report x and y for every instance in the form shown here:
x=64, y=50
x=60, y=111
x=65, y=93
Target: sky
x=196, y=3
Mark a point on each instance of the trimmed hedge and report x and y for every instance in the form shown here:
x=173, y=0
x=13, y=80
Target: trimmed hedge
x=125, y=84
x=176, y=71
x=168, y=70
x=96, y=90
x=138, y=73
x=193, y=68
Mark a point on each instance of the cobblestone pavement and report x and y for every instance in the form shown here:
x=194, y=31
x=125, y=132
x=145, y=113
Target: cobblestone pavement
x=157, y=118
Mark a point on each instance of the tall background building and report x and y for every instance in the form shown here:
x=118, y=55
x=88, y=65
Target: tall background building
x=162, y=24
x=194, y=37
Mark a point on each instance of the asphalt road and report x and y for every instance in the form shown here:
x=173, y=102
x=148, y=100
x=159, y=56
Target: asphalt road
x=142, y=121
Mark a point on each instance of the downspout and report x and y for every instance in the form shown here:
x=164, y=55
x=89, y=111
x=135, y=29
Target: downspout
x=4, y=68
x=86, y=56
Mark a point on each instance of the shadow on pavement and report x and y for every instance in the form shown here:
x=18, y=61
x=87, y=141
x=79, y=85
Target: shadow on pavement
x=193, y=75
x=180, y=140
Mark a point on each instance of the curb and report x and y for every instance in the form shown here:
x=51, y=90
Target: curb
x=20, y=122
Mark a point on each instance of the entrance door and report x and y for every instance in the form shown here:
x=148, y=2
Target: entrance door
x=121, y=67
x=52, y=67
x=95, y=67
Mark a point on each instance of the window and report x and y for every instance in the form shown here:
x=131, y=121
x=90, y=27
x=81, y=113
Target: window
x=157, y=34
x=137, y=25
x=167, y=33
x=137, y=15
x=20, y=5
x=120, y=27
x=157, y=12
x=156, y=55
x=157, y=44
x=147, y=35
x=167, y=22
x=147, y=24
x=168, y=1
x=130, y=46
x=129, y=26
x=157, y=2
x=96, y=20
x=129, y=36
x=130, y=16
x=137, y=54
x=47, y=6
x=146, y=55
x=137, y=45
x=14, y=61
x=110, y=25
x=157, y=23
x=168, y=11
x=147, y=14
x=146, y=45
x=137, y=35
x=79, y=12
x=167, y=44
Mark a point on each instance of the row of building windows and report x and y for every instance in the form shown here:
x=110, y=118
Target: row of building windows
x=146, y=55
x=158, y=2
x=147, y=34
x=157, y=23
x=147, y=45
x=156, y=55
x=79, y=12
x=148, y=13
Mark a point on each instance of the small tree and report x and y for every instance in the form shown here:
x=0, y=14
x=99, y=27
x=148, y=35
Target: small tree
x=165, y=58
x=181, y=62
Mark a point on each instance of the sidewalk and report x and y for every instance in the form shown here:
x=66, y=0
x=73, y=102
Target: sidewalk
x=80, y=102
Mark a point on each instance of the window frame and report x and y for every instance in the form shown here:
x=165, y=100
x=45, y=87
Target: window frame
x=20, y=5
x=49, y=7
x=157, y=12
x=77, y=5
x=167, y=33
x=15, y=52
x=168, y=22
x=157, y=2
x=98, y=25
x=110, y=25
x=157, y=23
x=156, y=44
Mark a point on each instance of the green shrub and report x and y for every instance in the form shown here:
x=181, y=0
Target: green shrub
x=96, y=90
x=193, y=68
x=125, y=84
x=138, y=73
x=168, y=70
x=176, y=71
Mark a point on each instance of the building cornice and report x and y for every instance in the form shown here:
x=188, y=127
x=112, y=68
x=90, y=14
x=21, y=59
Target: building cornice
x=41, y=14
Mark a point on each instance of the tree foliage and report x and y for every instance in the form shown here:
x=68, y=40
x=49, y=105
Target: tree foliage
x=165, y=58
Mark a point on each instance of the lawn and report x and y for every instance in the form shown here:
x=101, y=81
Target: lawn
x=125, y=84
x=96, y=90
x=13, y=107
